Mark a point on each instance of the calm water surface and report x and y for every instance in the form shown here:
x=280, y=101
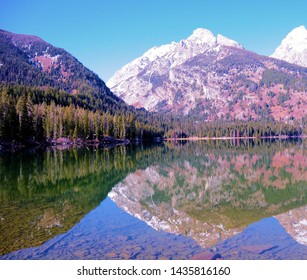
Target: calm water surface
x=195, y=200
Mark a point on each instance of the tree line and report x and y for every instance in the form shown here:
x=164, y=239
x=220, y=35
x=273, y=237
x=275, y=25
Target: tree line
x=49, y=115
x=36, y=114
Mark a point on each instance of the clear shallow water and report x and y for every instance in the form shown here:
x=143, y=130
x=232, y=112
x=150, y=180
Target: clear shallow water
x=108, y=232
x=198, y=200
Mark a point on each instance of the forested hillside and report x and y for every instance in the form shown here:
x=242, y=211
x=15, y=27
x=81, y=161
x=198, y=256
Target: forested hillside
x=30, y=114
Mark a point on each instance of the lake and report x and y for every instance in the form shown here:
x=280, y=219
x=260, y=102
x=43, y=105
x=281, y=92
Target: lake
x=229, y=199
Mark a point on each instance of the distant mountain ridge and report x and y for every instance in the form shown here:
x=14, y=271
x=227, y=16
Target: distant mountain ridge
x=213, y=77
x=29, y=60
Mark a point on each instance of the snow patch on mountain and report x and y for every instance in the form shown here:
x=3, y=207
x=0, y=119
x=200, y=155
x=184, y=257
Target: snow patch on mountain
x=293, y=47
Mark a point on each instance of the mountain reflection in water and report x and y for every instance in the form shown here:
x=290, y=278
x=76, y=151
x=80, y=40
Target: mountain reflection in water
x=213, y=195
x=203, y=195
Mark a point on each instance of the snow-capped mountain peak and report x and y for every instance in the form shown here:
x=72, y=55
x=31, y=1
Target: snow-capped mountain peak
x=167, y=56
x=211, y=76
x=201, y=35
x=293, y=47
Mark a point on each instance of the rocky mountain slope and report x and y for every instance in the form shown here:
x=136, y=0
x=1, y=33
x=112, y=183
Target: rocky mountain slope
x=293, y=47
x=213, y=77
x=29, y=60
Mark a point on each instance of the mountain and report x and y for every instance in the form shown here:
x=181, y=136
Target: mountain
x=293, y=48
x=48, y=97
x=213, y=77
x=29, y=60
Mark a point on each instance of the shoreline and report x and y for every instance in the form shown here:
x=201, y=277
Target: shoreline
x=65, y=143
x=195, y=138
x=62, y=143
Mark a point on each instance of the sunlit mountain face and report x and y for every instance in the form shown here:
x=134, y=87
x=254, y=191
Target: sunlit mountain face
x=213, y=77
x=293, y=47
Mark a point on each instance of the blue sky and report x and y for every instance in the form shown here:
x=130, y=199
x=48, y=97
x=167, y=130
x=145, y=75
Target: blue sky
x=105, y=35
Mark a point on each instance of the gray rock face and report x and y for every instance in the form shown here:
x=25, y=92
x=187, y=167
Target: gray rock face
x=159, y=78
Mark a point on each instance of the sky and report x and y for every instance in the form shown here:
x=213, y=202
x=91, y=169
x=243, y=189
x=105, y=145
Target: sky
x=107, y=34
